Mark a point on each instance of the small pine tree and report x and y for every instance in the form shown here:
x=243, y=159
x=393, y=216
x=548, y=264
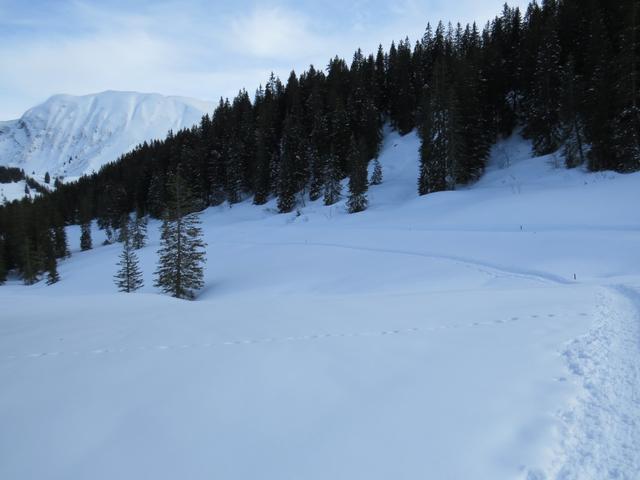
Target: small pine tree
x=180, y=270
x=60, y=247
x=357, y=201
x=30, y=264
x=50, y=262
x=123, y=230
x=332, y=185
x=47, y=178
x=85, y=236
x=52, y=271
x=376, y=176
x=129, y=277
x=138, y=231
x=109, y=236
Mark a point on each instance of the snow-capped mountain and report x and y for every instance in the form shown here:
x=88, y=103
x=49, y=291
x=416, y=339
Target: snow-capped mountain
x=69, y=136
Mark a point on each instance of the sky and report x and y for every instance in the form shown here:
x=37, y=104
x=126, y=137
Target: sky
x=195, y=48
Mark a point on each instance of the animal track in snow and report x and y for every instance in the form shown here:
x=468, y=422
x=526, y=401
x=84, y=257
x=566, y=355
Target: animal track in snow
x=311, y=337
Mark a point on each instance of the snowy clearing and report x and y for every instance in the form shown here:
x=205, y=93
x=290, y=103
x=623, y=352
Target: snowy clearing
x=428, y=337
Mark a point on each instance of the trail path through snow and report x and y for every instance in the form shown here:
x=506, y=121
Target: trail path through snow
x=601, y=432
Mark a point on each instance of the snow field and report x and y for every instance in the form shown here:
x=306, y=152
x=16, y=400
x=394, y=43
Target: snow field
x=433, y=337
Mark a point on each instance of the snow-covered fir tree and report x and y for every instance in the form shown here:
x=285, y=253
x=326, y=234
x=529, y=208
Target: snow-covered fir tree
x=376, y=175
x=138, y=231
x=357, y=201
x=181, y=261
x=129, y=277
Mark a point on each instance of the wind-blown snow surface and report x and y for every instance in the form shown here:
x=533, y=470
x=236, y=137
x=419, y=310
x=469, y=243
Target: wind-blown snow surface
x=434, y=337
x=69, y=136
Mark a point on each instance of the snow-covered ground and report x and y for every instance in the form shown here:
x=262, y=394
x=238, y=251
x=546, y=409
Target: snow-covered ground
x=14, y=191
x=440, y=337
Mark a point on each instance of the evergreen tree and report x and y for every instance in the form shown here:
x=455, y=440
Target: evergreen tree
x=3, y=265
x=358, y=185
x=332, y=185
x=52, y=271
x=124, y=227
x=138, y=231
x=293, y=166
x=401, y=94
x=85, y=236
x=316, y=169
x=380, y=81
x=599, y=97
x=50, y=263
x=574, y=148
x=129, y=277
x=438, y=149
x=31, y=261
x=543, y=122
x=181, y=256
x=340, y=137
x=376, y=176
x=267, y=140
x=627, y=120
x=61, y=248
x=317, y=148
x=156, y=195
x=47, y=178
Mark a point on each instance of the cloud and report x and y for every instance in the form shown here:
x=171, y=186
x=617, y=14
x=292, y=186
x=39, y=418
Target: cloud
x=274, y=33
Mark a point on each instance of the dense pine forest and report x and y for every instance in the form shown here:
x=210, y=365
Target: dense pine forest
x=565, y=72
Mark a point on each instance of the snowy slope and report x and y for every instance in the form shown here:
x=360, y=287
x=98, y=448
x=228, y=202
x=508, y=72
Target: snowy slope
x=434, y=337
x=69, y=136
x=14, y=191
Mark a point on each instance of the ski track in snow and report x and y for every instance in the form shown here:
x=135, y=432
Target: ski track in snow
x=600, y=433
x=299, y=338
x=495, y=271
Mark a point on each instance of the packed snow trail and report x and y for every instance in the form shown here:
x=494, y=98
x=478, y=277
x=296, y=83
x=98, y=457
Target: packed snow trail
x=601, y=432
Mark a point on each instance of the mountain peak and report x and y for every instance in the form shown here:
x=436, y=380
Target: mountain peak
x=69, y=136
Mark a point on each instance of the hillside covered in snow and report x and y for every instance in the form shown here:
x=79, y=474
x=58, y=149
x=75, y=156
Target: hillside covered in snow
x=490, y=332
x=69, y=136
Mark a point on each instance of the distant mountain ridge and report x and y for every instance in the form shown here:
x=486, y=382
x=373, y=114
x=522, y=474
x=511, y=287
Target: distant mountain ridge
x=69, y=136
